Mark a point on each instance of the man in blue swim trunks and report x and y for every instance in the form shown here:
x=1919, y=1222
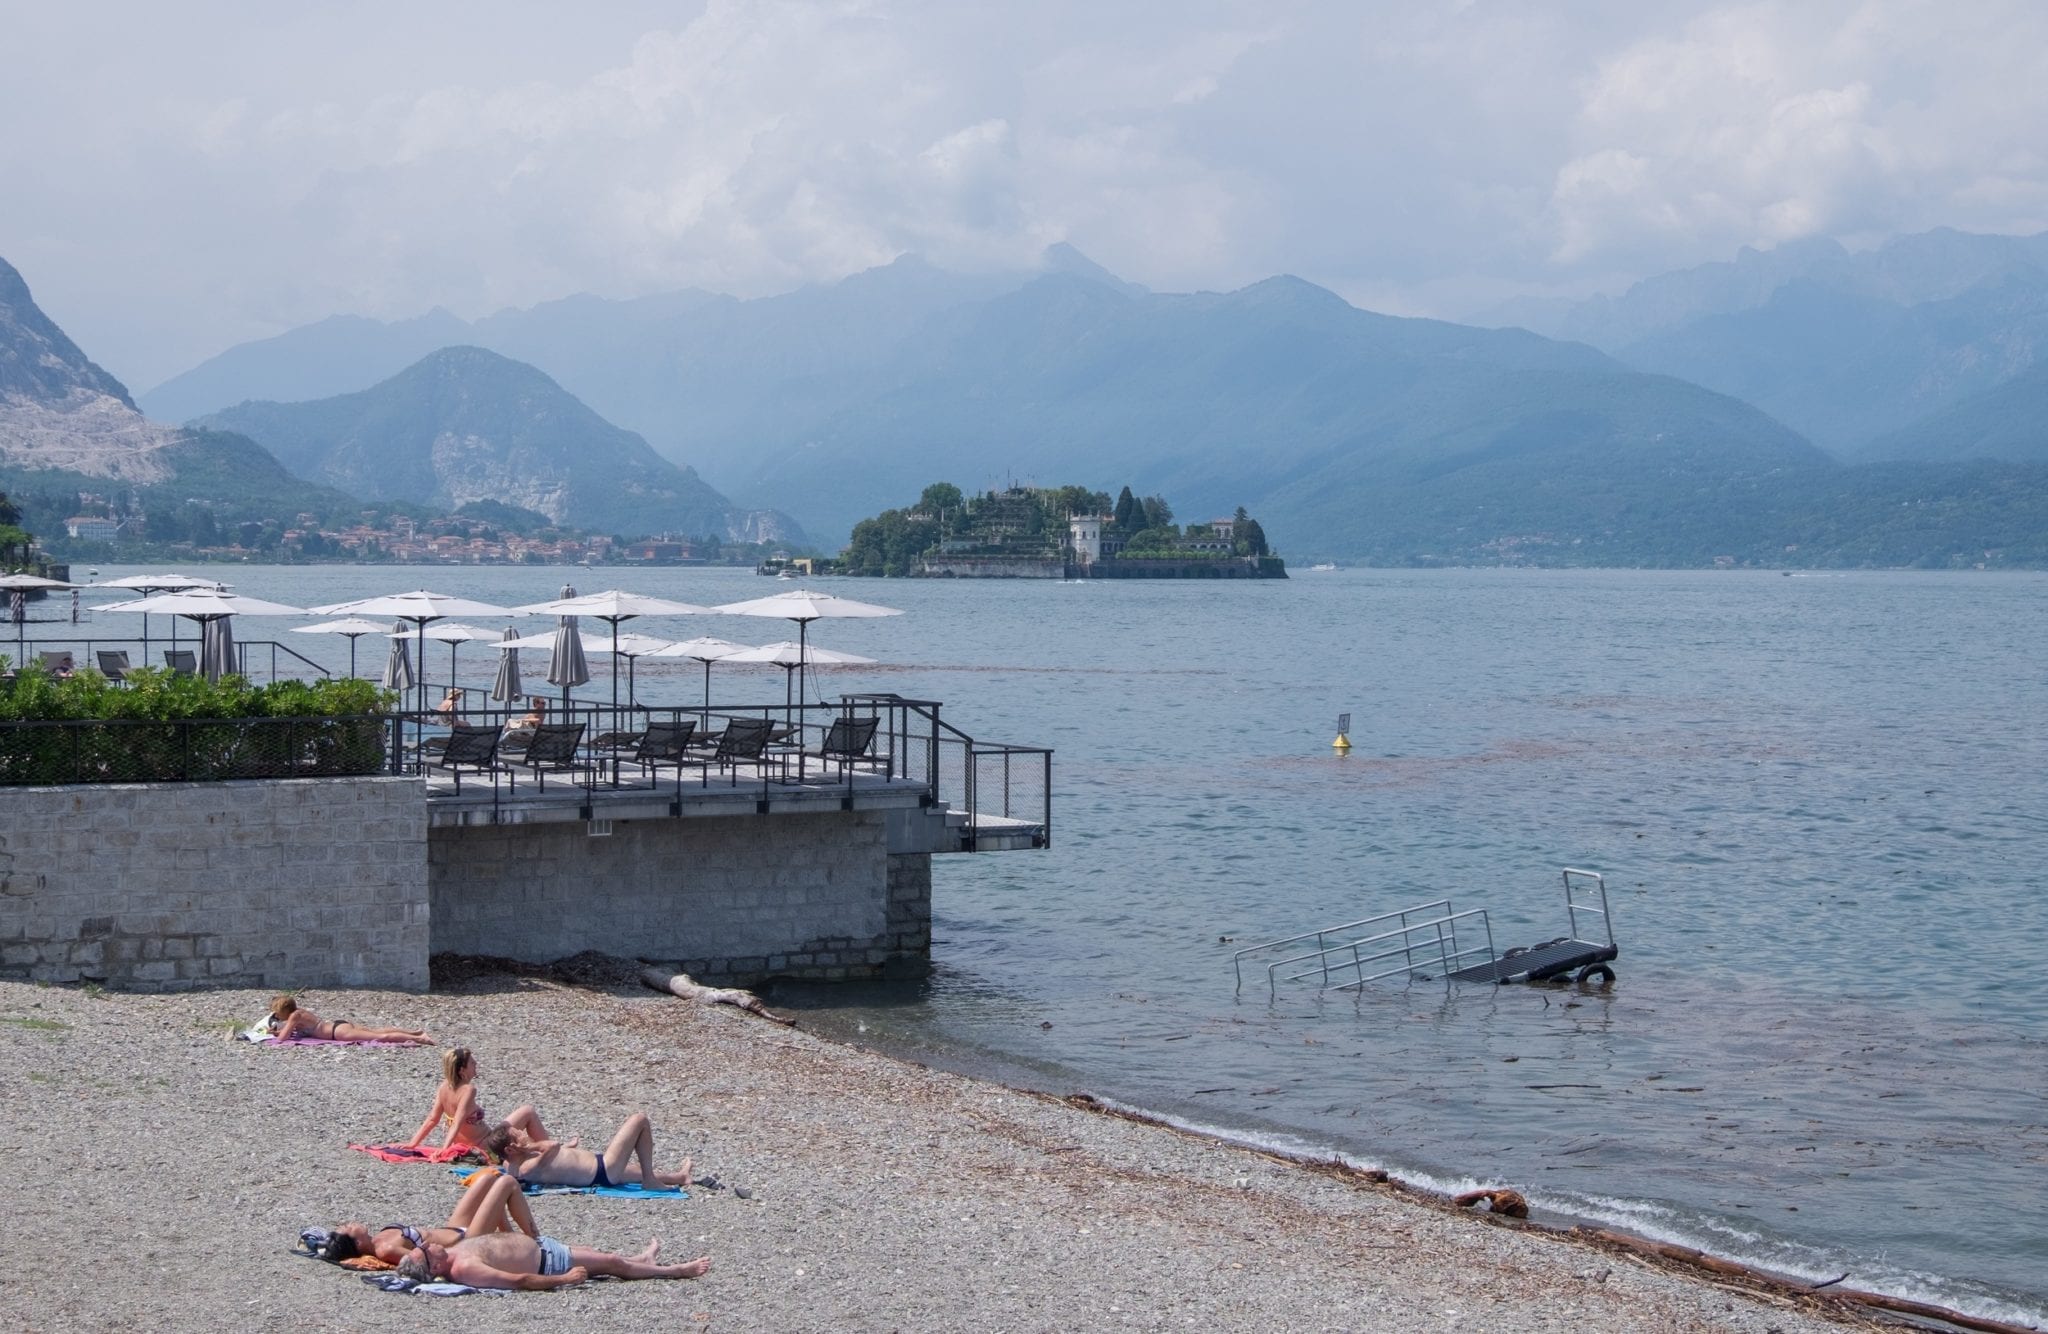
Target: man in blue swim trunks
x=528, y=1264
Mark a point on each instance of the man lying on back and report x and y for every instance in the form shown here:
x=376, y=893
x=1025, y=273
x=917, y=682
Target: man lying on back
x=515, y=1260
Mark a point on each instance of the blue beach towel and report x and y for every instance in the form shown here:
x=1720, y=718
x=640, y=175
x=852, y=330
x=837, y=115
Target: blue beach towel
x=627, y=1192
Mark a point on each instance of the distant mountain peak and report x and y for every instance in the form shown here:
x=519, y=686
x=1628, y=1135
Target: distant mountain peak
x=38, y=361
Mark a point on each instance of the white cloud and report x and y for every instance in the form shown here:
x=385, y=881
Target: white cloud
x=222, y=173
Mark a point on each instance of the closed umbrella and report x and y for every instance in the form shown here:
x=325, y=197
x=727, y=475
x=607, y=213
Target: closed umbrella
x=398, y=666
x=803, y=606
x=355, y=627
x=704, y=649
x=217, y=648
x=567, y=665
x=505, y=688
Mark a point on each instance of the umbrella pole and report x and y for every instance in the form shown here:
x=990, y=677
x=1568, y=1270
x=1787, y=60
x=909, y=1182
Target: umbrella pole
x=352, y=657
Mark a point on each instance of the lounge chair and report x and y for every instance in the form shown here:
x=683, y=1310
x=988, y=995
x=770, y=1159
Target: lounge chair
x=846, y=744
x=181, y=661
x=470, y=745
x=113, y=664
x=57, y=662
x=555, y=747
x=743, y=739
x=664, y=743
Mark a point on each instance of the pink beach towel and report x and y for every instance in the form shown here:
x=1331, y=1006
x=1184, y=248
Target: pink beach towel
x=399, y=1153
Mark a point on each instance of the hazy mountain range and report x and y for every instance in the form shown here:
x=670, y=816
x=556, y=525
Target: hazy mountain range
x=1846, y=348
x=1348, y=433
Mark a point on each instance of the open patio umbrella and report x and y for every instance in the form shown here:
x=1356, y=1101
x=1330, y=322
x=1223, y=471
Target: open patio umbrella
x=18, y=587
x=355, y=627
x=803, y=606
x=147, y=584
x=398, y=665
x=632, y=648
x=792, y=656
x=204, y=605
x=705, y=650
x=505, y=687
x=614, y=606
x=419, y=606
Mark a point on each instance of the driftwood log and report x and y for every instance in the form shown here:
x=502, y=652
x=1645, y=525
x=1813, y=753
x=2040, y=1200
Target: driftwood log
x=679, y=984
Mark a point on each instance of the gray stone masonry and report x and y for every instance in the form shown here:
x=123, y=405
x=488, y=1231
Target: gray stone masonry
x=287, y=883
x=733, y=898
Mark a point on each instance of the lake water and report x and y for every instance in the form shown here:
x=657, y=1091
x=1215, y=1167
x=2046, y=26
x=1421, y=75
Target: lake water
x=1818, y=801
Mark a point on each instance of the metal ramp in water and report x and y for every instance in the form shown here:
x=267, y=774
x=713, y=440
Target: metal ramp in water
x=1424, y=942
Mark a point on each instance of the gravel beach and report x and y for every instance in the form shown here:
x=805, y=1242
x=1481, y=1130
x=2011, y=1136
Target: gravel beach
x=157, y=1176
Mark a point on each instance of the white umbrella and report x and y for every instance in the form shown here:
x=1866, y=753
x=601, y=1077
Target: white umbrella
x=614, y=606
x=355, y=627
x=159, y=583
x=567, y=665
x=18, y=587
x=207, y=606
x=419, y=606
x=705, y=650
x=398, y=667
x=631, y=647
x=506, y=687
x=803, y=606
x=791, y=655
x=546, y=639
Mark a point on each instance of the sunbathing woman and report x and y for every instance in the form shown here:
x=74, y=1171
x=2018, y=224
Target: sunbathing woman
x=492, y=1202
x=546, y=1162
x=288, y=1020
x=455, y=1102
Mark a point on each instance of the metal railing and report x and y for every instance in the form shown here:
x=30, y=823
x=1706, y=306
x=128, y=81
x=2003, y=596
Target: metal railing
x=1424, y=935
x=1003, y=790
x=190, y=750
x=259, y=659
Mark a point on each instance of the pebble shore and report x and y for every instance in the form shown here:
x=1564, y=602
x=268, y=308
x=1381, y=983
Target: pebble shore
x=158, y=1174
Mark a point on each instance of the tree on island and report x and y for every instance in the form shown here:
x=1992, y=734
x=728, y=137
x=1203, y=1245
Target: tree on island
x=1130, y=516
x=1247, y=538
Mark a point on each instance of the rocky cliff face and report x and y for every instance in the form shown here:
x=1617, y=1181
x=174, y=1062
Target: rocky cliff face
x=60, y=411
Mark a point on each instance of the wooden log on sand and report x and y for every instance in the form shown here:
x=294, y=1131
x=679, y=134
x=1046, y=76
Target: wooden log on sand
x=679, y=984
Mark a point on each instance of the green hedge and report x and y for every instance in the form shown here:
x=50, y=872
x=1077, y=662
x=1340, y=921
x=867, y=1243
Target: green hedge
x=163, y=727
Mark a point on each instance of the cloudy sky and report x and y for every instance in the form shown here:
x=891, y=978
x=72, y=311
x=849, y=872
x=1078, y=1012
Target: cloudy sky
x=181, y=177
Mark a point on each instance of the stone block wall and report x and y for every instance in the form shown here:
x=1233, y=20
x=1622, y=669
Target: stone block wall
x=169, y=886
x=734, y=899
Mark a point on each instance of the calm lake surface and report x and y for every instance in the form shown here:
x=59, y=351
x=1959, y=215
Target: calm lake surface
x=1818, y=801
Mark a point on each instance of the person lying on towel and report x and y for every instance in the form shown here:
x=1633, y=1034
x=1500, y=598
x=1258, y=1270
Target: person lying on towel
x=546, y=1162
x=289, y=1020
x=491, y=1203
x=456, y=1106
x=534, y=1264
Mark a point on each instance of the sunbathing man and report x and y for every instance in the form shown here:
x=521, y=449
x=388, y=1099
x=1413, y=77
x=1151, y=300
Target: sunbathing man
x=547, y=1162
x=513, y=1260
x=492, y=1202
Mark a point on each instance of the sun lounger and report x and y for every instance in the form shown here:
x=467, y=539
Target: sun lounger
x=846, y=744
x=181, y=661
x=113, y=664
x=555, y=747
x=57, y=662
x=744, y=739
x=470, y=745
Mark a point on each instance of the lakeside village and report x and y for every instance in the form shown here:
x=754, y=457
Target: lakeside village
x=479, y=533
x=1065, y=532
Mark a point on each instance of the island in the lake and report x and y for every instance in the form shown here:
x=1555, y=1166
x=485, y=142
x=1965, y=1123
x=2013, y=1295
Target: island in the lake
x=1065, y=532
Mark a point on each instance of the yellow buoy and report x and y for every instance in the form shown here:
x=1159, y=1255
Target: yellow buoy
x=1341, y=743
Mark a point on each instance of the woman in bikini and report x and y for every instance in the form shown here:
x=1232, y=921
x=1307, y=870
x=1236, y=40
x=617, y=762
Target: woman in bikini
x=289, y=1020
x=492, y=1202
x=546, y=1162
x=455, y=1102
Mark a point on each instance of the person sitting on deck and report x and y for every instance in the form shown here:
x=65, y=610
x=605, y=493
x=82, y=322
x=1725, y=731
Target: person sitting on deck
x=536, y=714
x=546, y=1162
x=491, y=1203
x=450, y=705
x=289, y=1020
x=455, y=1103
x=530, y=1264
